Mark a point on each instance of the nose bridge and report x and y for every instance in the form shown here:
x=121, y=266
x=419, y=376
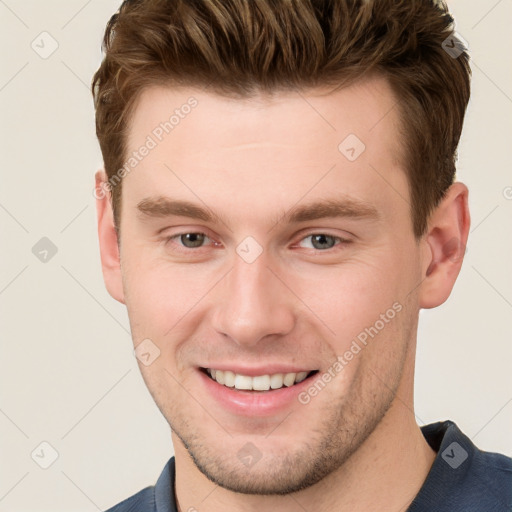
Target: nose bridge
x=254, y=303
x=250, y=284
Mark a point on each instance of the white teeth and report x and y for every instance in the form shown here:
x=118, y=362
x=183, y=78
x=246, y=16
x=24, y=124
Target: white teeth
x=258, y=383
x=243, y=382
x=301, y=376
x=219, y=377
x=289, y=379
x=229, y=378
x=276, y=381
x=261, y=383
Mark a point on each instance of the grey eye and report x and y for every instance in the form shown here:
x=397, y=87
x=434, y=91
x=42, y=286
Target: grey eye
x=323, y=241
x=191, y=240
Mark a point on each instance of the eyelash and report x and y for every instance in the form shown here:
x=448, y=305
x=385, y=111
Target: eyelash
x=338, y=241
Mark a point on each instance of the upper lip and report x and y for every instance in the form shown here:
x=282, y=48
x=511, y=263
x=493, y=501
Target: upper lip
x=253, y=371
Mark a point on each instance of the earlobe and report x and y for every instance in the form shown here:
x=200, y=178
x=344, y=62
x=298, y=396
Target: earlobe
x=108, y=238
x=445, y=246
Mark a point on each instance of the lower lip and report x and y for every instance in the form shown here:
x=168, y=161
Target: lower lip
x=254, y=403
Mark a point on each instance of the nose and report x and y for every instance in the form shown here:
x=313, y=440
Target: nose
x=253, y=304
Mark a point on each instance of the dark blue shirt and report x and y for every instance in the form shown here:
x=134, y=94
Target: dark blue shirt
x=462, y=479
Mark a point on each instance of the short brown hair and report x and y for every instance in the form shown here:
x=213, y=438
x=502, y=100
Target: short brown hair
x=243, y=47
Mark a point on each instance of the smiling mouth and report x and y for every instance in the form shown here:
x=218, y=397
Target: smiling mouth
x=268, y=382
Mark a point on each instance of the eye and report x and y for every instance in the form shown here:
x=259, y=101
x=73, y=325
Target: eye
x=321, y=241
x=190, y=240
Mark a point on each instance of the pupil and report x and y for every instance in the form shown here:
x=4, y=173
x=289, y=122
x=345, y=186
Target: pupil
x=322, y=241
x=192, y=239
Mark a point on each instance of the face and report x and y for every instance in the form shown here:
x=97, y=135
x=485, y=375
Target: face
x=266, y=237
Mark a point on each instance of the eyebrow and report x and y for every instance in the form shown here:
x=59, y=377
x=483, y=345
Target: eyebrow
x=328, y=208
x=167, y=207
x=332, y=208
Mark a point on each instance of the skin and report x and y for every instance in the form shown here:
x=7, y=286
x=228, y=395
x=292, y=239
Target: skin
x=356, y=446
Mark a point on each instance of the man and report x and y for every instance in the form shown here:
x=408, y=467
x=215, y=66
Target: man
x=277, y=205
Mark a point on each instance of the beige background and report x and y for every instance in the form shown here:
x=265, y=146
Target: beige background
x=68, y=375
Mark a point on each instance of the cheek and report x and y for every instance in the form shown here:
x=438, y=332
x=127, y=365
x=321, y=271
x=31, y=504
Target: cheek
x=349, y=298
x=159, y=295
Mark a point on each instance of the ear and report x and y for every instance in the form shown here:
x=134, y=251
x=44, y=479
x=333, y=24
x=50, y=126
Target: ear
x=444, y=246
x=108, y=240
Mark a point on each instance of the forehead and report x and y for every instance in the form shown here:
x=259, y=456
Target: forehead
x=365, y=107
x=283, y=145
